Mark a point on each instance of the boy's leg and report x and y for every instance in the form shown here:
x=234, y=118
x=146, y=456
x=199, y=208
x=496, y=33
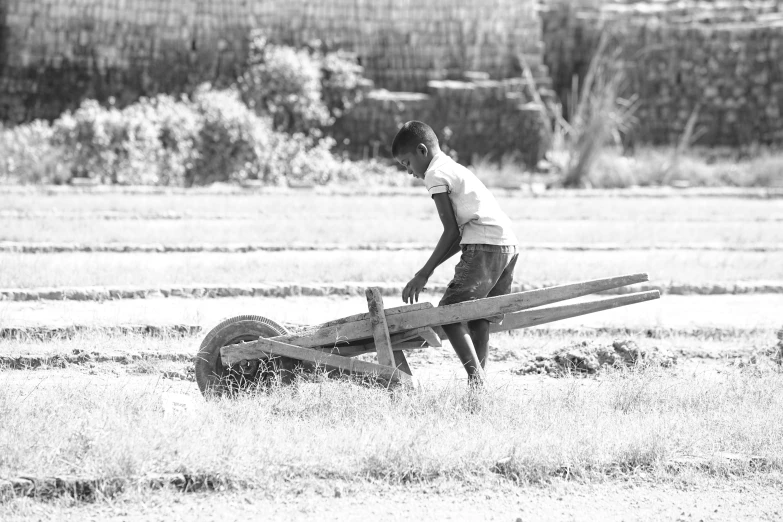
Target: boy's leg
x=476, y=276
x=479, y=334
x=461, y=341
x=479, y=329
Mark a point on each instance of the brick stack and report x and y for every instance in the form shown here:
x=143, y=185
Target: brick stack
x=724, y=57
x=476, y=118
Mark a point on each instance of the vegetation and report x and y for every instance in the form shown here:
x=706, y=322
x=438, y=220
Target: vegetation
x=329, y=220
x=628, y=423
x=303, y=90
x=599, y=116
x=267, y=130
x=338, y=267
x=273, y=127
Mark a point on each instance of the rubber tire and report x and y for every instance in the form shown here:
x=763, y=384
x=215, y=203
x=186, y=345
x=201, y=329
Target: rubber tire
x=214, y=379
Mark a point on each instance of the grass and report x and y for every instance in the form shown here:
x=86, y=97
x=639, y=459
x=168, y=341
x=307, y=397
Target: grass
x=306, y=218
x=651, y=166
x=333, y=207
x=625, y=424
x=404, y=228
x=142, y=269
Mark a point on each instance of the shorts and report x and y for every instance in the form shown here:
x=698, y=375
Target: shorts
x=482, y=271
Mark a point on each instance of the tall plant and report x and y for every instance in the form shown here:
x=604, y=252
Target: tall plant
x=600, y=114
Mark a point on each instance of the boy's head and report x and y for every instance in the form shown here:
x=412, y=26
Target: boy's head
x=414, y=146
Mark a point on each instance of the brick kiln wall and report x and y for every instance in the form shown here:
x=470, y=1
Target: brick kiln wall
x=61, y=51
x=725, y=57
x=476, y=118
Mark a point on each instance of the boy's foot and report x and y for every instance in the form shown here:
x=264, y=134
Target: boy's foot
x=476, y=381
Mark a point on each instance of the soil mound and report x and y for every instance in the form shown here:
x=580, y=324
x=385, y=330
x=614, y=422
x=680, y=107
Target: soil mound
x=589, y=358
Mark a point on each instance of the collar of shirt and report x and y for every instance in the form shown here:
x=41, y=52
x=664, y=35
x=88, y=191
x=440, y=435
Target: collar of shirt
x=438, y=160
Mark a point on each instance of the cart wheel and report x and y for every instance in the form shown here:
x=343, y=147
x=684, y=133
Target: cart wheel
x=214, y=379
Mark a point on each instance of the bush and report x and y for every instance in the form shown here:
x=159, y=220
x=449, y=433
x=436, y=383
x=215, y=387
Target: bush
x=342, y=83
x=150, y=142
x=301, y=90
x=106, y=144
x=285, y=84
x=27, y=155
x=235, y=144
x=177, y=125
x=231, y=142
x=164, y=141
x=214, y=137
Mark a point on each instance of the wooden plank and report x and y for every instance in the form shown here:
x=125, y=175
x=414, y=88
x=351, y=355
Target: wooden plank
x=238, y=352
x=429, y=317
x=380, y=330
x=432, y=338
x=359, y=349
x=550, y=314
x=366, y=315
x=426, y=333
x=300, y=338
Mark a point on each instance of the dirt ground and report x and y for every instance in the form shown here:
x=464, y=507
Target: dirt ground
x=326, y=500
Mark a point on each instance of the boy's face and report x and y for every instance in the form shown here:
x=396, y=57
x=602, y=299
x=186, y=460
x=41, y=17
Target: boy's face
x=416, y=161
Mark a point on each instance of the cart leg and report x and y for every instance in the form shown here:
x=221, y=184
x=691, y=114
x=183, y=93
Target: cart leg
x=401, y=362
x=380, y=330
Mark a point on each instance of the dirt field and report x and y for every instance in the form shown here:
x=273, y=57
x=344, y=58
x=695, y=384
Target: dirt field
x=675, y=442
x=629, y=501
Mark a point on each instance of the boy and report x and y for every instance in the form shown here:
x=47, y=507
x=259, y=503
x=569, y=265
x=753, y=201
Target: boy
x=473, y=223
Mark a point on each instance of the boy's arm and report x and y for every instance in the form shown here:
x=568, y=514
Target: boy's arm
x=447, y=246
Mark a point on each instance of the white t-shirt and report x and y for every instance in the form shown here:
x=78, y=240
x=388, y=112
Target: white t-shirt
x=479, y=217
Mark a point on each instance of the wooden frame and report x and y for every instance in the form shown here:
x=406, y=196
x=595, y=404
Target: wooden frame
x=389, y=332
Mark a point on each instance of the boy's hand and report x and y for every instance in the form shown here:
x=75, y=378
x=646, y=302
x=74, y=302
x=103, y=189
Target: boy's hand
x=413, y=288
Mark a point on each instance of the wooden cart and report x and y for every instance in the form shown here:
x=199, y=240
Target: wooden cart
x=250, y=350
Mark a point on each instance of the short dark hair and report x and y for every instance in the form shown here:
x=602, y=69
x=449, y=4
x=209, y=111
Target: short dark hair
x=410, y=135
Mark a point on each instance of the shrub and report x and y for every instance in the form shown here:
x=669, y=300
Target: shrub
x=235, y=144
x=177, y=125
x=231, y=140
x=105, y=143
x=150, y=142
x=302, y=90
x=27, y=155
x=342, y=83
x=164, y=141
x=284, y=83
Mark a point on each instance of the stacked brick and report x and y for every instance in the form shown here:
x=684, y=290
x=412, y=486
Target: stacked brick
x=722, y=59
x=60, y=51
x=477, y=118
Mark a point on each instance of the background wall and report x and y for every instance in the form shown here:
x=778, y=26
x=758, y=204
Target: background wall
x=60, y=51
x=481, y=118
x=724, y=57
